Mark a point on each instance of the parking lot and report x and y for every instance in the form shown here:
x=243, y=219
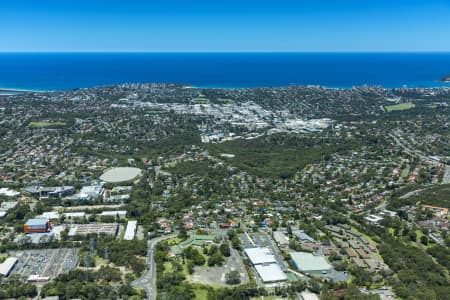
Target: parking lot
x=45, y=263
x=245, y=242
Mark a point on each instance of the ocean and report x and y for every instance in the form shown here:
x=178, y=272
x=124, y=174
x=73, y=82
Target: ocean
x=63, y=71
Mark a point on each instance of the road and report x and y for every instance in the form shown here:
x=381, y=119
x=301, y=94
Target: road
x=446, y=178
x=148, y=280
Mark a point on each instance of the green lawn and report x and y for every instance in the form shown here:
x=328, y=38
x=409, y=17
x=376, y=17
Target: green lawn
x=168, y=267
x=200, y=293
x=174, y=241
x=226, y=101
x=99, y=261
x=201, y=101
x=400, y=106
x=44, y=124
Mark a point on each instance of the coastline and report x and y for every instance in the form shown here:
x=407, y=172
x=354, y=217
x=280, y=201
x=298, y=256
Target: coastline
x=427, y=85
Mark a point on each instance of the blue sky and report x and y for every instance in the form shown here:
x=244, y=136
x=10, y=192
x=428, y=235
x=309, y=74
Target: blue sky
x=222, y=26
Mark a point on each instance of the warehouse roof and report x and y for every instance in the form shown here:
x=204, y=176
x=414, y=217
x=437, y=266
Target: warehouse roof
x=80, y=214
x=7, y=205
x=260, y=255
x=114, y=213
x=270, y=272
x=97, y=228
x=301, y=235
x=280, y=238
x=7, y=266
x=37, y=222
x=307, y=262
x=50, y=215
x=130, y=231
x=8, y=193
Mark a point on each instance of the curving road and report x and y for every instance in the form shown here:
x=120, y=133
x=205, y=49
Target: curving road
x=148, y=280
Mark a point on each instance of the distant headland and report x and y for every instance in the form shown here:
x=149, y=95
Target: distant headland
x=445, y=79
x=12, y=91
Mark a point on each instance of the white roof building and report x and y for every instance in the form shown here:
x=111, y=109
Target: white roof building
x=7, y=266
x=51, y=215
x=270, y=272
x=74, y=214
x=114, y=213
x=37, y=278
x=94, y=191
x=373, y=218
x=7, y=205
x=130, y=231
x=260, y=255
x=307, y=295
x=8, y=192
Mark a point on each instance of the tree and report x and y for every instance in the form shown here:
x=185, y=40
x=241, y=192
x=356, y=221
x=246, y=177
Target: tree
x=413, y=236
x=231, y=233
x=424, y=240
x=233, y=277
x=215, y=259
x=225, y=249
x=213, y=250
x=190, y=267
x=236, y=243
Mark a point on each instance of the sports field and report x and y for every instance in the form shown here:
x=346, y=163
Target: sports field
x=44, y=124
x=401, y=106
x=201, y=101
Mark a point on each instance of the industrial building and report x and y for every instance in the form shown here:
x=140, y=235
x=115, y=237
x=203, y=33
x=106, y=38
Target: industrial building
x=114, y=213
x=97, y=228
x=265, y=264
x=51, y=215
x=130, y=231
x=270, y=273
x=260, y=255
x=281, y=239
x=88, y=193
x=8, y=192
x=47, y=192
x=37, y=225
x=7, y=205
x=7, y=266
x=94, y=191
x=309, y=263
x=73, y=215
x=302, y=236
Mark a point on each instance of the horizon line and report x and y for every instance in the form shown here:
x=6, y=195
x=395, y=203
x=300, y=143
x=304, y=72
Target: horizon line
x=229, y=52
